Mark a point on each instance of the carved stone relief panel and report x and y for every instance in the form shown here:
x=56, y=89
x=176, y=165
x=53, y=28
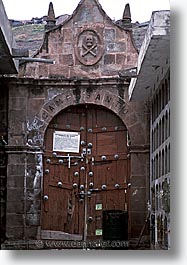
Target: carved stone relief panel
x=89, y=47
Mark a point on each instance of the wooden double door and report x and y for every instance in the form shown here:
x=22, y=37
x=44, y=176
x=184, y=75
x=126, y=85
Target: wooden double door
x=86, y=171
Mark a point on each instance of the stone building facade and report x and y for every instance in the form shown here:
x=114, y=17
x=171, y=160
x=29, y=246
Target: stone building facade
x=95, y=60
x=7, y=66
x=160, y=165
x=157, y=90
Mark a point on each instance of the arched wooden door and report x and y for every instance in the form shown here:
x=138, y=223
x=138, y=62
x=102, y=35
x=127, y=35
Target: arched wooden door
x=86, y=171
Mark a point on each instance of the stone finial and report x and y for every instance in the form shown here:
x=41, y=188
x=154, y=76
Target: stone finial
x=126, y=20
x=127, y=13
x=51, y=20
x=51, y=13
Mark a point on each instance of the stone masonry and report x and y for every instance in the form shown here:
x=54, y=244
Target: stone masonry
x=89, y=50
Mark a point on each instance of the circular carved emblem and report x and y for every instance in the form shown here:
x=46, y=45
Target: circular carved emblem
x=89, y=48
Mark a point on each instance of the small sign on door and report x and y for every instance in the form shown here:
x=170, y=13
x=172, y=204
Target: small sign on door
x=98, y=206
x=98, y=232
x=68, y=142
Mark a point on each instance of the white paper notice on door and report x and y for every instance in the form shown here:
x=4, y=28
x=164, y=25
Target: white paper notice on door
x=68, y=142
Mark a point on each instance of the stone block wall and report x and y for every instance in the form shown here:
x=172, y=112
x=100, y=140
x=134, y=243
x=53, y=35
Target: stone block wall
x=3, y=158
x=89, y=50
x=32, y=105
x=87, y=45
x=160, y=174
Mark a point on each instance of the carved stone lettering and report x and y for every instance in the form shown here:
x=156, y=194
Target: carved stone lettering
x=121, y=106
x=58, y=101
x=45, y=116
x=51, y=108
x=108, y=99
x=98, y=97
x=93, y=26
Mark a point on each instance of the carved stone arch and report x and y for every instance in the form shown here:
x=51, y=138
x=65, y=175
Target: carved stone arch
x=129, y=115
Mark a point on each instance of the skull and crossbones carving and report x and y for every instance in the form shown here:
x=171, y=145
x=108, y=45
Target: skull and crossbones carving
x=89, y=46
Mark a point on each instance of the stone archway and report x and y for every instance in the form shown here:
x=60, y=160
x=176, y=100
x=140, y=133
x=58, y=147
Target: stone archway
x=133, y=115
x=129, y=113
